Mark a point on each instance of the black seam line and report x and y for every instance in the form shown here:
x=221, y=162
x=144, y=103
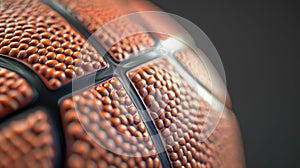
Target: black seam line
x=41, y=99
x=140, y=106
x=147, y=120
x=94, y=42
x=84, y=83
x=81, y=29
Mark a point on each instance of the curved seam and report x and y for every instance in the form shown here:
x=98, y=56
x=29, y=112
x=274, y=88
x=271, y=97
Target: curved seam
x=38, y=101
x=136, y=100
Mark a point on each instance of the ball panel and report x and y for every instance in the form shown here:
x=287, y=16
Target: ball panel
x=36, y=35
x=15, y=92
x=103, y=128
x=178, y=111
x=95, y=13
x=27, y=142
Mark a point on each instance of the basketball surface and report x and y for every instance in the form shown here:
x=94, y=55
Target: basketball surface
x=72, y=95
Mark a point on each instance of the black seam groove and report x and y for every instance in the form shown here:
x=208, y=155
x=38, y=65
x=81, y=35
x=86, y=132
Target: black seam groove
x=38, y=101
x=122, y=75
x=158, y=144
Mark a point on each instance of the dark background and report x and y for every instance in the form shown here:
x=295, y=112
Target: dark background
x=258, y=42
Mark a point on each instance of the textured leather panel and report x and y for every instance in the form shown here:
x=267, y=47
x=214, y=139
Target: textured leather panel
x=180, y=115
x=35, y=34
x=15, y=92
x=95, y=13
x=27, y=142
x=101, y=125
x=104, y=129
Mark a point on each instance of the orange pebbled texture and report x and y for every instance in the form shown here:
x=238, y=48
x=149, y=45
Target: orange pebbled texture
x=179, y=114
x=103, y=129
x=15, y=92
x=95, y=13
x=35, y=34
x=100, y=125
x=27, y=142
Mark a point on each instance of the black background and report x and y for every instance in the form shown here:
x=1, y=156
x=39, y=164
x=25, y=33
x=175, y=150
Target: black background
x=258, y=42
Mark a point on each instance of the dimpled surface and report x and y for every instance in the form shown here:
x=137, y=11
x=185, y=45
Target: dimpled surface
x=179, y=113
x=107, y=122
x=95, y=13
x=27, y=142
x=35, y=34
x=14, y=92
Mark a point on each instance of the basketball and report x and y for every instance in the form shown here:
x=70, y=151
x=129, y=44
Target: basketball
x=82, y=85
